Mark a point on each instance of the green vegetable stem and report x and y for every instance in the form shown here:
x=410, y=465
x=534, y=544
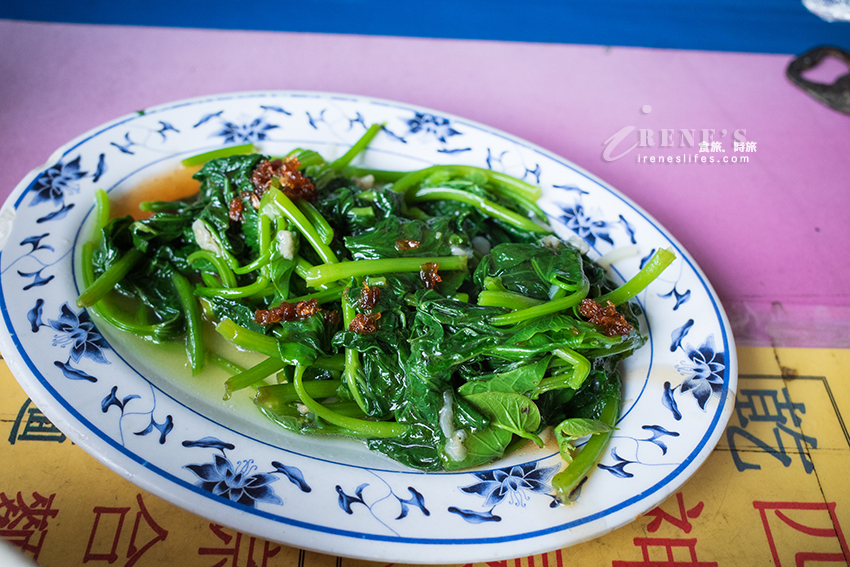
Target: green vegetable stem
x=328, y=273
x=255, y=374
x=358, y=147
x=287, y=208
x=486, y=206
x=203, y=158
x=106, y=282
x=352, y=357
x=371, y=429
x=291, y=353
x=192, y=316
x=565, y=481
x=657, y=264
x=279, y=397
x=542, y=309
x=505, y=184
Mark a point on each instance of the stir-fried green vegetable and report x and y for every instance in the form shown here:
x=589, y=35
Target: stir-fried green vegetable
x=432, y=313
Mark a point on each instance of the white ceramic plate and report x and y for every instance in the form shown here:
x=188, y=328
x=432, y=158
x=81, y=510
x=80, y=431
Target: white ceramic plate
x=146, y=418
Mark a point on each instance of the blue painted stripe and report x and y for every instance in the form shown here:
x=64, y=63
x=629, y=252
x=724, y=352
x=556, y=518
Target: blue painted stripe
x=764, y=26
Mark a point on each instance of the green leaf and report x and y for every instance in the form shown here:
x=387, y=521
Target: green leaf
x=531, y=269
x=512, y=412
x=237, y=310
x=572, y=429
x=481, y=447
x=433, y=238
x=521, y=378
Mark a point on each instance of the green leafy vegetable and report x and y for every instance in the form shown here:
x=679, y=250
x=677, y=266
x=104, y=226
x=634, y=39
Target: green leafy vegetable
x=431, y=313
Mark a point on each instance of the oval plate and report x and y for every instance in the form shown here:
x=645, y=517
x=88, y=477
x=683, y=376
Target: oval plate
x=154, y=424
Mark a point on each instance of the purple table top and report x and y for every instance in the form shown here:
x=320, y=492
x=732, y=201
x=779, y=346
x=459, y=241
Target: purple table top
x=772, y=234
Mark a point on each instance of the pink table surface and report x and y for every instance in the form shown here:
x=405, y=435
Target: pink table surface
x=772, y=235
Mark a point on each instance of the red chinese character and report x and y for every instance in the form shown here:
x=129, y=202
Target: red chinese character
x=135, y=548
x=669, y=544
x=681, y=521
x=666, y=546
x=111, y=556
x=808, y=511
x=559, y=560
x=268, y=551
x=21, y=521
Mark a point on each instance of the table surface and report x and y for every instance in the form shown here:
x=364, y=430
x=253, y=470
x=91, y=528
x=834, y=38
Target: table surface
x=771, y=233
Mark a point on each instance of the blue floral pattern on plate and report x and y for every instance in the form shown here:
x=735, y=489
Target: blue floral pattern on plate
x=514, y=485
x=703, y=372
x=74, y=330
x=56, y=183
x=347, y=502
x=131, y=402
x=241, y=482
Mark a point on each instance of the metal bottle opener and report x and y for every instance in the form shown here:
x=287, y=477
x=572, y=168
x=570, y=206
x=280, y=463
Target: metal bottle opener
x=836, y=95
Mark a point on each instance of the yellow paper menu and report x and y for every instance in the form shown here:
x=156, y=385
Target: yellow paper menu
x=773, y=492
